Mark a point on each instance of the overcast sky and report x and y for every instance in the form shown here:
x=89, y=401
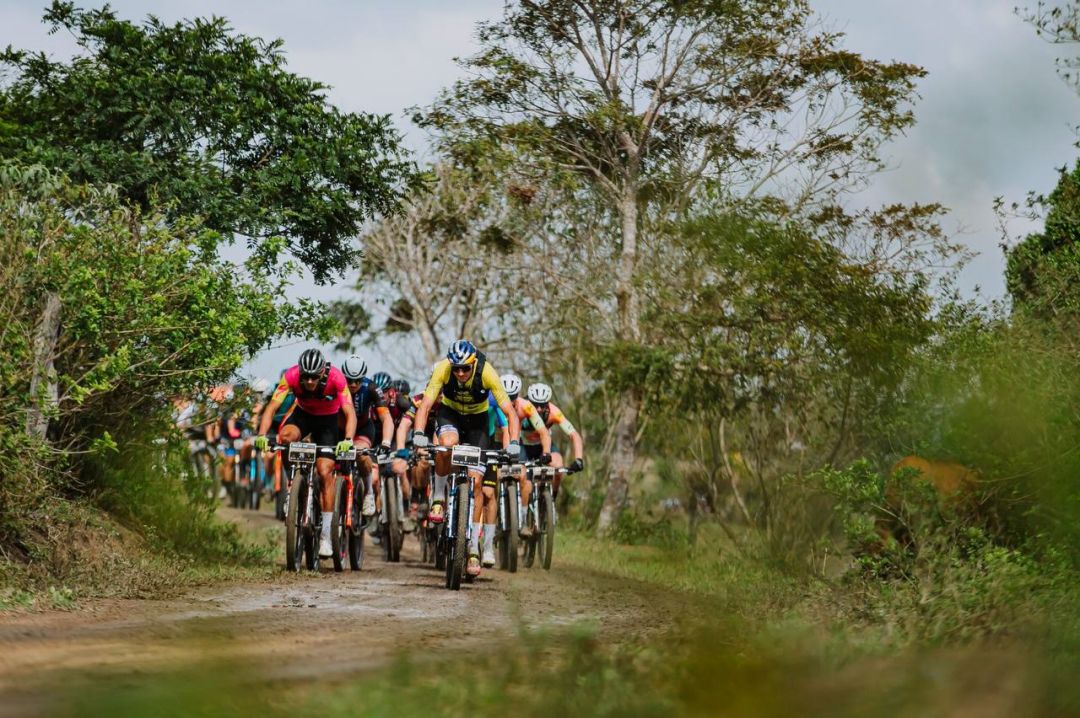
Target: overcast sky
x=994, y=119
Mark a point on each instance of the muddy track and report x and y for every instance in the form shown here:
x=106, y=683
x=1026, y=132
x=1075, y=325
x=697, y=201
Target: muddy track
x=303, y=625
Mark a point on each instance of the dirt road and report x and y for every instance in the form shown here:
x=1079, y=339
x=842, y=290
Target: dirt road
x=295, y=626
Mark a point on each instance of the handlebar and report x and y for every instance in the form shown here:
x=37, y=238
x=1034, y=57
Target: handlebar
x=488, y=456
x=323, y=452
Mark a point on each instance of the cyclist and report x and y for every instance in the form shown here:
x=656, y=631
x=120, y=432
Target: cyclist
x=487, y=506
x=321, y=392
x=273, y=461
x=399, y=404
x=370, y=407
x=540, y=397
x=465, y=379
x=230, y=427
x=529, y=417
x=403, y=439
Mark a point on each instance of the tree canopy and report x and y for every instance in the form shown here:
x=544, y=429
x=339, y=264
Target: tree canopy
x=209, y=123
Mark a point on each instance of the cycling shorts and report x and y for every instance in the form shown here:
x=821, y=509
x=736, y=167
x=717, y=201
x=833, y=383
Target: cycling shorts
x=323, y=430
x=472, y=429
x=368, y=432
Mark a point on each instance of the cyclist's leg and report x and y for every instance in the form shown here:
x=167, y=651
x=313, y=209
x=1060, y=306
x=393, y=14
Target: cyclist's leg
x=368, y=468
x=325, y=432
x=447, y=434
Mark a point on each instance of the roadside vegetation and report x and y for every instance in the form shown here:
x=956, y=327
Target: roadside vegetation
x=747, y=356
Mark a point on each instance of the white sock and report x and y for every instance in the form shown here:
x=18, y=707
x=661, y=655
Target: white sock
x=327, y=517
x=439, y=494
x=489, y=539
x=474, y=543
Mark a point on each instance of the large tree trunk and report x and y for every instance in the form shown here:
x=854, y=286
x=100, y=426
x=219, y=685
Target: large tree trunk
x=43, y=398
x=622, y=463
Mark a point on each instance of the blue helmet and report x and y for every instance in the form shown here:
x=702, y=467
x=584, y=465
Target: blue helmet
x=461, y=352
x=381, y=379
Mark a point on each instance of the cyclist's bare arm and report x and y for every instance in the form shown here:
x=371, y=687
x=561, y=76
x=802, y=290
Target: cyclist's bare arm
x=402, y=432
x=513, y=424
x=350, y=419
x=424, y=410
x=268, y=416
x=387, y=425
x=545, y=435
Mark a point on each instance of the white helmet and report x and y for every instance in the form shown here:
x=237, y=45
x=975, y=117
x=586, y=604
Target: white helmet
x=260, y=385
x=512, y=384
x=354, y=368
x=539, y=393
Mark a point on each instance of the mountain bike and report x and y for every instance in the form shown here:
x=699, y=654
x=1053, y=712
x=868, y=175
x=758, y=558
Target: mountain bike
x=256, y=480
x=347, y=523
x=459, y=505
x=541, y=515
x=281, y=488
x=506, y=531
x=303, y=522
x=237, y=492
x=391, y=513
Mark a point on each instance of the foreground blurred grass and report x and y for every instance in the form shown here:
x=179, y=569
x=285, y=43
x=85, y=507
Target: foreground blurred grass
x=754, y=642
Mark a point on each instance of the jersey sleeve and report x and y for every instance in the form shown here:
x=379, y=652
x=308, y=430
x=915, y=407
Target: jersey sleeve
x=493, y=383
x=281, y=391
x=439, y=376
x=500, y=415
x=559, y=418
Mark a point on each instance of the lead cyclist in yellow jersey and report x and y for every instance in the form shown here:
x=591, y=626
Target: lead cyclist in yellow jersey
x=464, y=379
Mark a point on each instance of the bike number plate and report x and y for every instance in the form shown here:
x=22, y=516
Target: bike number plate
x=349, y=455
x=301, y=453
x=466, y=456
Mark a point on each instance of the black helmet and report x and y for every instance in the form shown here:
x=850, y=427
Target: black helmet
x=312, y=362
x=381, y=379
x=401, y=386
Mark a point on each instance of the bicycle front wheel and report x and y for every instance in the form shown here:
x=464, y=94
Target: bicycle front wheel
x=547, y=528
x=294, y=533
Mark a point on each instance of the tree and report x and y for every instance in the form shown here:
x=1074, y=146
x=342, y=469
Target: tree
x=208, y=123
x=1042, y=272
x=1059, y=23
x=448, y=266
x=148, y=311
x=648, y=102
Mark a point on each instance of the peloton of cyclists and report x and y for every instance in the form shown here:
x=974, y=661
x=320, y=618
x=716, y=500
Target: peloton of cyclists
x=466, y=401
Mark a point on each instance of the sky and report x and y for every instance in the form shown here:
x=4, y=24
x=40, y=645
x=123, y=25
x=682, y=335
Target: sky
x=993, y=119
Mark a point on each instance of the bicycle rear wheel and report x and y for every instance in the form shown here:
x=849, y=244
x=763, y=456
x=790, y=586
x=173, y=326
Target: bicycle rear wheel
x=356, y=531
x=393, y=532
